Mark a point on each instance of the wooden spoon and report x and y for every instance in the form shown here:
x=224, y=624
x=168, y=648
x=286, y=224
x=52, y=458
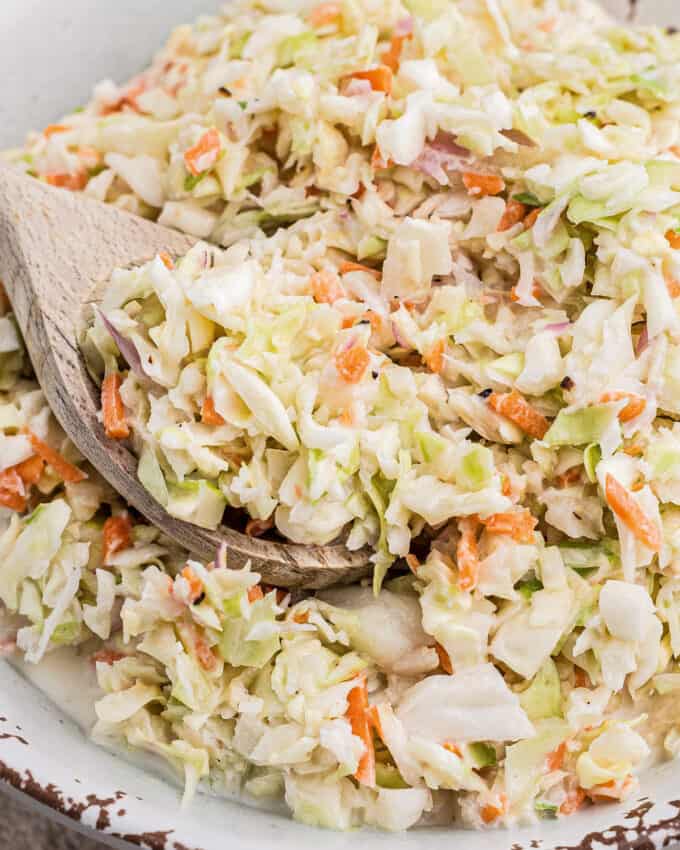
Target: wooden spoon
x=55, y=247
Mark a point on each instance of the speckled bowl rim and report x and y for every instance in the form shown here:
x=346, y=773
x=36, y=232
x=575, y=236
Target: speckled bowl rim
x=45, y=760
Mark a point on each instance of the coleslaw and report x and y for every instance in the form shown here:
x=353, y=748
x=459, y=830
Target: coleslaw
x=436, y=314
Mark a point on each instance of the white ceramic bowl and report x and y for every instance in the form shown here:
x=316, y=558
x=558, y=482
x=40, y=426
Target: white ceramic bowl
x=51, y=52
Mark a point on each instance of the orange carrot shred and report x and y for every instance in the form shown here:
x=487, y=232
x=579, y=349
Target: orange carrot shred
x=204, y=154
x=434, y=359
x=467, y=555
x=53, y=129
x=556, y=758
x=374, y=720
x=514, y=213
x=635, y=450
x=30, y=470
x=491, y=812
x=517, y=409
x=673, y=287
x=380, y=78
x=13, y=501
x=631, y=514
x=206, y=657
x=67, y=471
x=530, y=220
x=444, y=659
x=113, y=409
x=167, y=260
x=357, y=714
x=209, y=416
x=326, y=287
x=634, y=408
x=352, y=363
x=571, y=476
x=194, y=582
x=479, y=185
x=519, y=525
x=392, y=56
x=74, y=182
x=106, y=656
x=324, y=14
x=453, y=748
x=349, y=266
x=575, y=799
x=255, y=593
x=117, y=536
x=673, y=239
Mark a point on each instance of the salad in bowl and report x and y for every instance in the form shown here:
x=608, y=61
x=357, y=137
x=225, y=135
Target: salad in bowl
x=432, y=310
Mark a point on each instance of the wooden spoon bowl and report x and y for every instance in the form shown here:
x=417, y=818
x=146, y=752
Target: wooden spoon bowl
x=57, y=249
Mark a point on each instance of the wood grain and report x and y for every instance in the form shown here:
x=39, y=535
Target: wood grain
x=56, y=250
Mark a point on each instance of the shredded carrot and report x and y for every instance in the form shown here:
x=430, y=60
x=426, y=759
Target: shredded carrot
x=30, y=470
x=517, y=409
x=444, y=659
x=535, y=291
x=348, y=322
x=255, y=593
x=13, y=501
x=555, y=759
x=53, y=129
x=491, y=812
x=326, y=287
x=571, y=476
x=357, y=714
x=301, y=617
x=374, y=720
x=209, y=416
x=453, y=748
x=11, y=481
x=204, y=154
x=575, y=799
x=206, y=657
x=347, y=416
x=673, y=239
x=519, y=525
x=113, y=409
x=634, y=408
x=352, y=363
x=514, y=213
x=380, y=77
x=378, y=161
x=434, y=359
x=167, y=260
x=194, y=582
x=392, y=56
x=631, y=514
x=375, y=320
x=67, y=471
x=107, y=656
x=530, y=220
x=413, y=563
x=74, y=182
x=325, y=14
x=467, y=555
x=348, y=266
x=635, y=450
x=482, y=184
x=506, y=486
x=673, y=287
x=612, y=790
x=117, y=535
x=257, y=527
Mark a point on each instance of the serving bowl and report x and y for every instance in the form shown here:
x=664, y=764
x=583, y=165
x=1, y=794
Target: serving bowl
x=50, y=55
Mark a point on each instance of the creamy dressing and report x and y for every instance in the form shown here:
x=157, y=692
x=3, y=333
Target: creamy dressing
x=68, y=679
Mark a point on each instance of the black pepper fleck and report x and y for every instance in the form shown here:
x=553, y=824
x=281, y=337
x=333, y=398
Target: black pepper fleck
x=567, y=383
x=485, y=393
